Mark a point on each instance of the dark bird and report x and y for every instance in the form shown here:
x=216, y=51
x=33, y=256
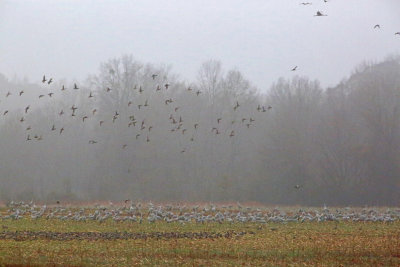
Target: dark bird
x=248, y=125
x=63, y=88
x=108, y=89
x=176, y=109
x=237, y=105
x=8, y=94
x=151, y=127
x=377, y=26
x=397, y=33
x=61, y=130
x=101, y=122
x=137, y=136
x=75, y=86
x=232, y=134
x=28, y=138
x=84, y=117
x=40, y=96
x=319, y=14
x=22, y=119
x=53, y=128
x=140, y=89
x=26, y=109
x=74, y=108
x=183, y=150
x=139, y=106
x=196, y=125
x=147, y=139
x=28, y=128
x=124, y=146
x=50, y=81
x=20, y=93
x=146, y=104
x=258, y=108
x=183, y=131
x=126, y=201
x=154, y=76
x=166, y=86
x=94, y=111
x=116, y=113
x=198, y=92
x=58, y=202
x=251, y=120
x=5, y=112
x=180, y=119
x=129, y=103
x=192, y=139
x=244, y=119
x=90, y=95
x=294, y=69
x=92, y=142
x=61, y=112
x=305, y=3
x=44, y=79
x=218, y=120
x=50, y=94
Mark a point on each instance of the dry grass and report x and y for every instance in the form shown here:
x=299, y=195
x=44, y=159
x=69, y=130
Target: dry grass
x=305, y=244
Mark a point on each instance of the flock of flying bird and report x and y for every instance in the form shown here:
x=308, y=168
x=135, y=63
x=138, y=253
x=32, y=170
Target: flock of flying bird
x=175, y=119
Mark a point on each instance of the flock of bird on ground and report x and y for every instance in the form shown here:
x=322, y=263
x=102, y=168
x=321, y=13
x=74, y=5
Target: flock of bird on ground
x=136, y=212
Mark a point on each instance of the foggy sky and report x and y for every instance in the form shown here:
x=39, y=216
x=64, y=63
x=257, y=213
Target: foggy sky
x=262, y=39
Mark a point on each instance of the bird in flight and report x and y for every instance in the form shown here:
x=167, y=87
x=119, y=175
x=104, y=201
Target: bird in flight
x=397, y=33
x=319, y=14
x=44, y=79
x=232, y=134
x=154, y=76
x=75, y=86
x=305, y=3
x=61, y=130
x=5, y=112
x=166, y=86
x=294, y=69
x=92, y=142
x=8, y=94
x=237, y=105
x=26, y=109
x=63, y=88
x=20, y=93
x=50, y=94
x=108, y=89
x=377, y=26
x=50, y=81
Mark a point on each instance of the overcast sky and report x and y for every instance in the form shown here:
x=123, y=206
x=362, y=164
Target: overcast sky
x=263, y=39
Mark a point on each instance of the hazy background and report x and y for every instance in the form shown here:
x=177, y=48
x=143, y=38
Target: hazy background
x=263, y=39
x=328, y=132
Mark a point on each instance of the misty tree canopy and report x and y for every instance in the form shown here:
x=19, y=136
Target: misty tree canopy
x=139, y=132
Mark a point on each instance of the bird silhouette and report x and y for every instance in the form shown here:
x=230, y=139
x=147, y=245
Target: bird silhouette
x=137, y=136
x=50, y=94
x=219, y=120
x=21, y=92
x=40, y=96
x=83, y=118
x=8, y=94
x=22, y=119
x=63, y=88
x=28, y=138
x=294, y=69
x=198, y=92
x=319, y=14
x=140, y=89
x=90, y=95
x=53, y=128
x=92, y=142
x=232, y=133
x=154, y=76
x=44, y=79
x=75, y=86
x=26, y=109
x=196, y=125
x=50, y=81
x=28, y=128
x=108, y=89
x=5, y=112
x=124, y=146
x=61, y=112
x=166, y=86
x=61, y=130
x=377, y=26
x=305, y=3
x=397, y=33
x=94, y=111
x=129, y=103
x=101, y=122
x=147, y=139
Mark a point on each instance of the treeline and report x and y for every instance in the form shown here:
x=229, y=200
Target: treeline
x=215, y=139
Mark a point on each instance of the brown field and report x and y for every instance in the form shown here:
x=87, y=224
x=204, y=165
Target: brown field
x=52, y=242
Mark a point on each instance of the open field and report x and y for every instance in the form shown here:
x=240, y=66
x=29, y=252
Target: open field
x=177, y=235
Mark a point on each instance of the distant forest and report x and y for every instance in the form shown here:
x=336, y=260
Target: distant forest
x=139, y=132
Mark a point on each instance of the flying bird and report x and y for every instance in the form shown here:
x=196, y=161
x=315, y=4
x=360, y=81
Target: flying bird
x=92, y=142
x=61, y=130
x=397, y=33
x=167, y=85
x=294, y=69
x=20, y=93
x=50, y=94
x=5, y=112
x=377, y=26
x=108, y=89
x=50, y=81
x=319, y=14
x=8, y=94
x=53, y=128
x=44, y=79
x=26, y=109
x=40, y=96
x=154, y=76
x=75, y=86
x=232, y=134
